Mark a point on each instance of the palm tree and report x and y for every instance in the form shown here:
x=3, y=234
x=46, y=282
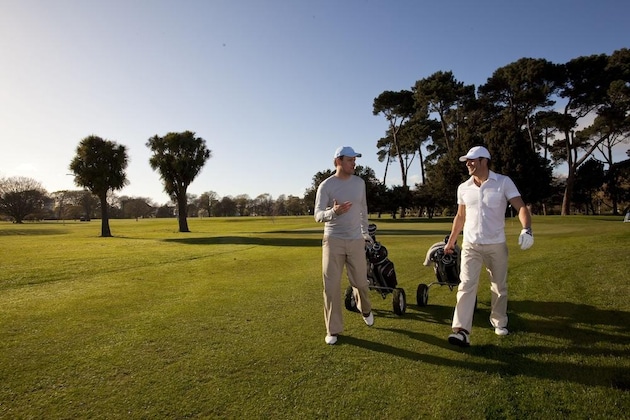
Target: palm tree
x=178, y=157
x=99, y=166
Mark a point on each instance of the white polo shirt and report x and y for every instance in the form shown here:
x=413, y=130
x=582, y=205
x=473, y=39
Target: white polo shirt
x=485, y=208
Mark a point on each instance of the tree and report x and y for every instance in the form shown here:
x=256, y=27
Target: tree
x=165, y=211
x=295, y=206
x=99, y=166
x=510, y=102
x=178, y=157
x=244, y=204
x=207, y=201
x=443, y=177
x=280, y=206
x=68, y=204
x=192, y=207
x=594, y=85
x=420, y=130
x=520, y=89
x=311, y=193
x=135, y=207
x=442, y=95
x=263, y=205
x=21, y=197
x=74, y=204
x=600, y=129
x=226, y=207
x=398, y=108
x=445, y=115
x=373, y=187
x=622, y=172
x=589, y=179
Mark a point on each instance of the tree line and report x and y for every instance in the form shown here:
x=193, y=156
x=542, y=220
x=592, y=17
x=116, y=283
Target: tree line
x=532, y=115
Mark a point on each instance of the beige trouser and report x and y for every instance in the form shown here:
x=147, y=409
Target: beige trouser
x=495, y=258
x=335, y=254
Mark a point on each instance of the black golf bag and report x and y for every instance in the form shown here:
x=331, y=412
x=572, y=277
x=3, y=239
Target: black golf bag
x=381, y=276
x=381, y=272
x=446, y=267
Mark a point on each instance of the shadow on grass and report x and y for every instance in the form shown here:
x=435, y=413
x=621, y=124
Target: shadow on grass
x=566, y=320
x=249, y=240
x=431, y=314
x=508, y=361
x=415, y=220
x=392, y=232
x=404, y=232
x=32, y=232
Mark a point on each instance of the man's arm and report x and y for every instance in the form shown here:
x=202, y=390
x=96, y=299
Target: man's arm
x=523, y=213
x=526, y=237
x=322, y=212
x=456, y=229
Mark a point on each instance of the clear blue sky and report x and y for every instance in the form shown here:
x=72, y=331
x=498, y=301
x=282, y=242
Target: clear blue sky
x=273, y=86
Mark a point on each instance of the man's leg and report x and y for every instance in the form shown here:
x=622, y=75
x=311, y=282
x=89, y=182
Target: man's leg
x=471, y=262
x=496, y=260
x=333, y=257
x=356, y=266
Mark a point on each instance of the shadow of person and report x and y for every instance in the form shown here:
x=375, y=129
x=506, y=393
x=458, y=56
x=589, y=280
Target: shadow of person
x=577, y=323
x=583, y=359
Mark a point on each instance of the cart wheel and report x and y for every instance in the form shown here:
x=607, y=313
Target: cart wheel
x=350, y=300
x=399, y=301
x=422, y=295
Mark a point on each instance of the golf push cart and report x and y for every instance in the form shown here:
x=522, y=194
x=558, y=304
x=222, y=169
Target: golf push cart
x=381, y=276
x=446, y=268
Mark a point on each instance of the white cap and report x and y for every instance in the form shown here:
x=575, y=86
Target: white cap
x=346, y=151
x=475, y=153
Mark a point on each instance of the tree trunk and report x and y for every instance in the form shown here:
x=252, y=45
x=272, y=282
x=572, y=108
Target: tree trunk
x=182, y=212
x=386, y=167
x=568, y=189
x=421, y=159
x=568, y=194
x=105, y=231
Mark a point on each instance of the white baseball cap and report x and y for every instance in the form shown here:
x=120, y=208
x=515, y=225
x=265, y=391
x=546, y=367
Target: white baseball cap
x=475, y=153
x=346, y=151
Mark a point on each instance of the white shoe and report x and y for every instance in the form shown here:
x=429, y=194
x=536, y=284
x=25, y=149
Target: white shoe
x=501, y=331
x=369, y=320
x=331, y=339
x=459, y=338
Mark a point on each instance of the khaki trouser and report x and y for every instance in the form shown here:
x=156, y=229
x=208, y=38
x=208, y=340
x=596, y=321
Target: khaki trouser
x=335, y=254
x=495, y=258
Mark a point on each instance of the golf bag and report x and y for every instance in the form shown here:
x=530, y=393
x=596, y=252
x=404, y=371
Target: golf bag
x=381, y=276
x=381, y=272
x=446, y=266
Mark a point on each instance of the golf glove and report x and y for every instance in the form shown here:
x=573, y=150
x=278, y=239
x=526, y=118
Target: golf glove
x=526, y=238
x=368, y=238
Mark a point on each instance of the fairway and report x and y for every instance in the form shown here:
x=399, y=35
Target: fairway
x=226, y=322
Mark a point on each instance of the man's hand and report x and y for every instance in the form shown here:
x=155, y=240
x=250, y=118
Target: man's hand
x=368, y=238
x=340, y=209
x=526, y=238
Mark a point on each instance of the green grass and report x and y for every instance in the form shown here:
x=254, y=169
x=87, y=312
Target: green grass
x=226, y=322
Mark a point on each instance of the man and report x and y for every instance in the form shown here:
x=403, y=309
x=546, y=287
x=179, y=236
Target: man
x=481, y=205
x=341, y=204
